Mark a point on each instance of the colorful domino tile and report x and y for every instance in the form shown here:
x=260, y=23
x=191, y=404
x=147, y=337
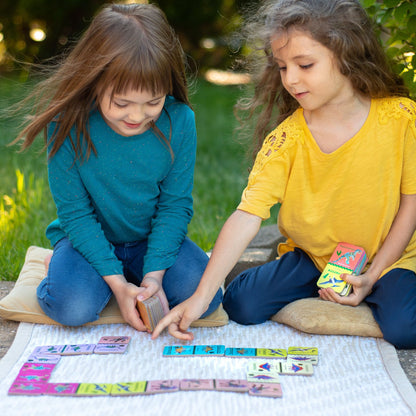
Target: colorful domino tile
x=48, y=349
x=264, y=366
x=238, y=386
x=240, y=352
x=114, y=339
x=27, y=389
x=37, y=368
x=43, y=359
x=129, y=389
x=94, y=389
x=303, y=354
x=212, y=350
x=292, y=368
x=78, y=349
x=61, y=389
x=196, y=384
x=265, y=390
x=261, y=377
x=162, y=386
x=279, y=353
x=179, y=350
x=28, y=377
x=110, y=348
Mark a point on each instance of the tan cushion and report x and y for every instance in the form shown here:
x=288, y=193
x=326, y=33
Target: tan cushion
x=317, y=316
x=21, y=303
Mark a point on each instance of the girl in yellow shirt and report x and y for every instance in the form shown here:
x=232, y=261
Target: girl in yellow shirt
x=341, y=163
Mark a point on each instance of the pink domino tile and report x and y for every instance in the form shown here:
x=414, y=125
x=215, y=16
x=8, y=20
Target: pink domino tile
x=114, y=339
x=162, y=386
x=239, y=386
x=61, y=389
x=265, y=389
x=27, y=389
x=197, y=384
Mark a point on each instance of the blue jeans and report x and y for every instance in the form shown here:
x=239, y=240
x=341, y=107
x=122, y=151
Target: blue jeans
x=258, y=293
x=73, y=293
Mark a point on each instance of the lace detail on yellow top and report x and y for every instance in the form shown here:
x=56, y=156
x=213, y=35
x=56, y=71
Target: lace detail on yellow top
x=279, y=141
x=398, y=107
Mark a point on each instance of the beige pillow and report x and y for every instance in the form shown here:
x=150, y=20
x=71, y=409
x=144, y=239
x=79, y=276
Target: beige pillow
x=21, y=303
x=317, y=316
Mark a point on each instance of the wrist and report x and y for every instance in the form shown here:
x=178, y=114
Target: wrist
x=373, y=273
x=115, y=281
x=155, y=275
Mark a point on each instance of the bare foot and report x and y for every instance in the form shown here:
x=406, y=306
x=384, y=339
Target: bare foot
x=46, y=262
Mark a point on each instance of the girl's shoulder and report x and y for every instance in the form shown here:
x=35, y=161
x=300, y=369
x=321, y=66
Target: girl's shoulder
x=278, y=145
x=396, y=108
x=287, y=134
x=177, y=108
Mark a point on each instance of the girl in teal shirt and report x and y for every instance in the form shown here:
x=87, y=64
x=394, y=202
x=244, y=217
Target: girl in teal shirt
x=121, y=145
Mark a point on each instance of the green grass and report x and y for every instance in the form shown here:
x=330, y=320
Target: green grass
x=26, y=206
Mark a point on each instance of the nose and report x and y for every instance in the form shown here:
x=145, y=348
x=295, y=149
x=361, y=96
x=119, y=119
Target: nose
x=137, y=114
x=291, y=75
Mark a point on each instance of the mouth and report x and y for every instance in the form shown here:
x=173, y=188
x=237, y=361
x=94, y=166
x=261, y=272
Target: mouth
x=132, y=125
x=300, y=95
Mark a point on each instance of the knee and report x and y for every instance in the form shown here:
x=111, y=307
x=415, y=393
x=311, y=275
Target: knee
x=67, y=310
x=401, y=333
x=242, y=310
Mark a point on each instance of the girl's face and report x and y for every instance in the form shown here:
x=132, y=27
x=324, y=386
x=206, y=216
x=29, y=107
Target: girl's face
x=309, y=70
x=130, y=113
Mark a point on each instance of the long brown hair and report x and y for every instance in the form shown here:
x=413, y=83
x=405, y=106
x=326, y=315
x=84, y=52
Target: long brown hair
x=340, y=25
x=125, y=46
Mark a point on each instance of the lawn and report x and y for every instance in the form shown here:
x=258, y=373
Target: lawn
x=26, y=206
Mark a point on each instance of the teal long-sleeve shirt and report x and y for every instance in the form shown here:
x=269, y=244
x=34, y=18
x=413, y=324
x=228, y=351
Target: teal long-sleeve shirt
x=130, y=191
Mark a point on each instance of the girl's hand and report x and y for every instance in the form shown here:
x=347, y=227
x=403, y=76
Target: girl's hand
x=180, y=318
x=126, y=295
x=361, y=288
x=152, y=285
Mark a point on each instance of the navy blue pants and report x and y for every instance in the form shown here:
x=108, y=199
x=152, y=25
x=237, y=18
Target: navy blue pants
x=258, y=293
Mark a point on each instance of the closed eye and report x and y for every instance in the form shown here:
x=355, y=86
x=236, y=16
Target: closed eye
x=154, y=103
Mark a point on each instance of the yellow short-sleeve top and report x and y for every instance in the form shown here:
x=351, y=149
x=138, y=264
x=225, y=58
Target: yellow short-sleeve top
x=350, y=195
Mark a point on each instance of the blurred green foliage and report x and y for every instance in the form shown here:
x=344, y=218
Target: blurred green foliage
x=396, y=26
x=203, y=27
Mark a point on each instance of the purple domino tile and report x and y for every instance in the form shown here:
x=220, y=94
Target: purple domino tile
x=78, y=349
x=110, y=348
x=48, y=349
x=44, y=359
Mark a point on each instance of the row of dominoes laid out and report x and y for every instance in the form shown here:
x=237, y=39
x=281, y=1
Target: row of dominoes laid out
x=106, y=345
x=293, y=354
x=262, y=379
x=146, y=388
